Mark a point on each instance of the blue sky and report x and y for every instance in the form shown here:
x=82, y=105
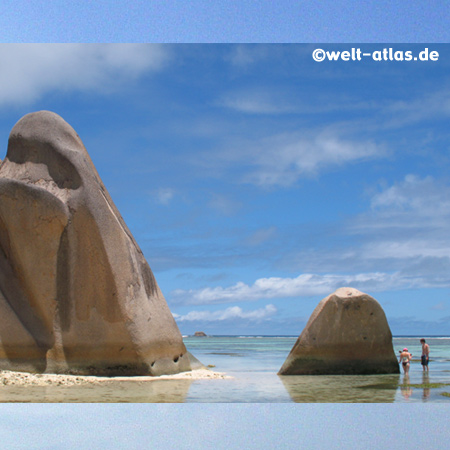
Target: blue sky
x=224, y=21
x=256, y=180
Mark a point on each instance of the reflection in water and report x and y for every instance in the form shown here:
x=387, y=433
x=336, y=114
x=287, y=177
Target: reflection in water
x=341, y=388
x=405, y=387
x=426, y=381
x=161, y=391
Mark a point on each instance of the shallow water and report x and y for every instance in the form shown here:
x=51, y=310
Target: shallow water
x=253, y=362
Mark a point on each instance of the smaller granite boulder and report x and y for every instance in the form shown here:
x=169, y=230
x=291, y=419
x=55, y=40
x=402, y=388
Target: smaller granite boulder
x=346, y=334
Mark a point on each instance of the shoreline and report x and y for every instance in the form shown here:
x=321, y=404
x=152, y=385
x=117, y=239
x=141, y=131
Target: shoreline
x=13, y=378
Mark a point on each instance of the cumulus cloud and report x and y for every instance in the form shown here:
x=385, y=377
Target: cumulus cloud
x=304, y=285
x=232, y=313
x=31, y=70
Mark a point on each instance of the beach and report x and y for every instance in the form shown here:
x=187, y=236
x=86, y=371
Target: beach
x=243, y=369
x=11, y=378
x=52, y=388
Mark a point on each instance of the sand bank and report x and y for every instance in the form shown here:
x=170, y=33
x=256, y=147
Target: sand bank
x=10, y=378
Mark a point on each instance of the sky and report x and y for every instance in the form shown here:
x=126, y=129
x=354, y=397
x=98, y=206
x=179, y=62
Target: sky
x=256, y=180
x=224, y=21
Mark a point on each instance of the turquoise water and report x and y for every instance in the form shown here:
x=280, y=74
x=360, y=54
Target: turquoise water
x=253, y=363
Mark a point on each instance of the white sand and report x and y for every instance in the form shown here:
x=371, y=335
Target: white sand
x=9, y=378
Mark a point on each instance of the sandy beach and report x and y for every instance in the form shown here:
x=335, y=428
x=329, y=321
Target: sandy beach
x=10, y=378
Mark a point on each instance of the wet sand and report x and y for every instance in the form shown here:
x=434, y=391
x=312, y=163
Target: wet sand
x=10, y=378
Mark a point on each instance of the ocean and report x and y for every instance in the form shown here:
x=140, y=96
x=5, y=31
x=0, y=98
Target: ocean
x=253, y=363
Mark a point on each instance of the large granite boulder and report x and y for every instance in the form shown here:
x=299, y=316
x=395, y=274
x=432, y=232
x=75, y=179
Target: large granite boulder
x=76, y=293
x=346, y=334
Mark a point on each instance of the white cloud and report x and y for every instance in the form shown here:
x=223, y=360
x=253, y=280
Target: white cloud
x=302, y=286
x=282, y=159
x=232, y=313
x=31, y=70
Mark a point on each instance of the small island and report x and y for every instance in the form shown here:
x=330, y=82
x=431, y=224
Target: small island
x=200, y=334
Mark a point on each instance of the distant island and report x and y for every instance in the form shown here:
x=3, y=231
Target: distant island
x=200, y=334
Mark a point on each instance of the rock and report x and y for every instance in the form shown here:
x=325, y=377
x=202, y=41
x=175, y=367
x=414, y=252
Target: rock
x=346, y=334
x=200, y=334
x=195, y=363
x=76, y=293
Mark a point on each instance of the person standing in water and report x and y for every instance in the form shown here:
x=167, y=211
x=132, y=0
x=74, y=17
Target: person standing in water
x=425, y=354
x=405, y=358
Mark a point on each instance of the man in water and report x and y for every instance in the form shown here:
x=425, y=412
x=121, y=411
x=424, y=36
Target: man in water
x=425, y=354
